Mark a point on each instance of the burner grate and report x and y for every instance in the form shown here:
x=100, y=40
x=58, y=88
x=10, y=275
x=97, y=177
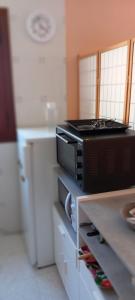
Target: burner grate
x=97, y=125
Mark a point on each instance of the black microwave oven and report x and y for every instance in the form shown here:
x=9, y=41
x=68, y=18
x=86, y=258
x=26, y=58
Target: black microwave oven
x=98, y=163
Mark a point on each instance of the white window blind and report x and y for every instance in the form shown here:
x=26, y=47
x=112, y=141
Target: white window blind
x=113, y=83
x=87, y=86
x=132, y=100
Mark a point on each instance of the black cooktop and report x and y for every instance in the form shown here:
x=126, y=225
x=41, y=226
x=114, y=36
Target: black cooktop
x=97, y=126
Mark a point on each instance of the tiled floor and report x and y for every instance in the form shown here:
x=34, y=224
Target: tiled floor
x=19, y=281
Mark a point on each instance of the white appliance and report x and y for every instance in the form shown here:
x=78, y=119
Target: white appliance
x=37, y=158
x=68, y=191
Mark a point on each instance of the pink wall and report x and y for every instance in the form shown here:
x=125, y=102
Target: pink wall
x=93, y=25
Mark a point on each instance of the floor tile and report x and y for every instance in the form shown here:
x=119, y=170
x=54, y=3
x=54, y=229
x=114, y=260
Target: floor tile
x=19, y=281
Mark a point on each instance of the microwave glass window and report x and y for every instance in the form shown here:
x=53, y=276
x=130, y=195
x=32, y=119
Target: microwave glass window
x=62, y=192
x=67, y=156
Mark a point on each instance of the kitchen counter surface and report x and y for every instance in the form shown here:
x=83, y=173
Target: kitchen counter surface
x=31, y=134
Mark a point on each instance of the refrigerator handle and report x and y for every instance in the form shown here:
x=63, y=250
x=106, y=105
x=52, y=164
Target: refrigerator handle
x=27, y=161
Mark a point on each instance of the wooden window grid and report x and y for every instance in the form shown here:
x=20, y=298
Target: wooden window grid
x=88, y=82
x=126, y=87
x=130, y=109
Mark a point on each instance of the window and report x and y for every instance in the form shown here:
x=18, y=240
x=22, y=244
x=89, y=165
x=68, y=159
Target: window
x=107, y=83
x=88, y=86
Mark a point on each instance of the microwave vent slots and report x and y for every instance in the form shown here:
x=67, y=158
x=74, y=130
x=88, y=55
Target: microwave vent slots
x=127, y=159
x=110, y=161
x=94, y=165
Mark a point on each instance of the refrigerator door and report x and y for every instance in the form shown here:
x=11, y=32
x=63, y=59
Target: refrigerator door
x=45, y=193
x=27, y=203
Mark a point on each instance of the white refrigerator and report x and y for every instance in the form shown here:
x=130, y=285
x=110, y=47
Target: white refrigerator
x=37, y=159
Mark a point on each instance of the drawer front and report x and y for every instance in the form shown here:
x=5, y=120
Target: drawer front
x=69, y=248
x=63, y=240
x=88, y=279
x=84, y=293
x=59, y=255
x=65, y=258
x=59, y=232
x=72, y=280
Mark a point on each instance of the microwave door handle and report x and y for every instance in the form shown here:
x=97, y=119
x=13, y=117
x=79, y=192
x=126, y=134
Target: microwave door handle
x=66, y=206
x=64, y=140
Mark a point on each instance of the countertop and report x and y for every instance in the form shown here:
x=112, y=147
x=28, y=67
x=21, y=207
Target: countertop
x=32, y=134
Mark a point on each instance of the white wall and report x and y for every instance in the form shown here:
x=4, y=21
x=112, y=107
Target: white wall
x=38, y=69
x=9, y=189
x=39, y=77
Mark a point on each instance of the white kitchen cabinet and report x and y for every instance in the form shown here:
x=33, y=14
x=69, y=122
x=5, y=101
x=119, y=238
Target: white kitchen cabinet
x=88, y=284
x=66, y=257
x=77, y=279
x=84, y=293
x=59, y=231
x=114, y=255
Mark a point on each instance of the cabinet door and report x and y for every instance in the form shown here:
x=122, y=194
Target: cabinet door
x=7, y=116
x=84, y=294
x=88, y=86
x=113, y=83
x=28, y=219
x=87, y=282
x=72, y=275
x=59, y=232
x=65, y=258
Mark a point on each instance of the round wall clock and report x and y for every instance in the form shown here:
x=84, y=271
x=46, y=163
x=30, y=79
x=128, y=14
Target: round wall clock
x=40, y=26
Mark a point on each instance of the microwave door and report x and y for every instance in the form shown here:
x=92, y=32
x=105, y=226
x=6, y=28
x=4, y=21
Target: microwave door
x=68, y=206
x=66, y=153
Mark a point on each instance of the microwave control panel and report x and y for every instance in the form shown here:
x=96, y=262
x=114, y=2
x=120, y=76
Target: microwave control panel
x=79, y=164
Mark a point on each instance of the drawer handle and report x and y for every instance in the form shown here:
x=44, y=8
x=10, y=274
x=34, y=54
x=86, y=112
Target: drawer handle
x=67, y=201
x=22, y=178
x=133, y=281
x=62, y=137
x=65, y=266
x=20, y=164
x=61, y=230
